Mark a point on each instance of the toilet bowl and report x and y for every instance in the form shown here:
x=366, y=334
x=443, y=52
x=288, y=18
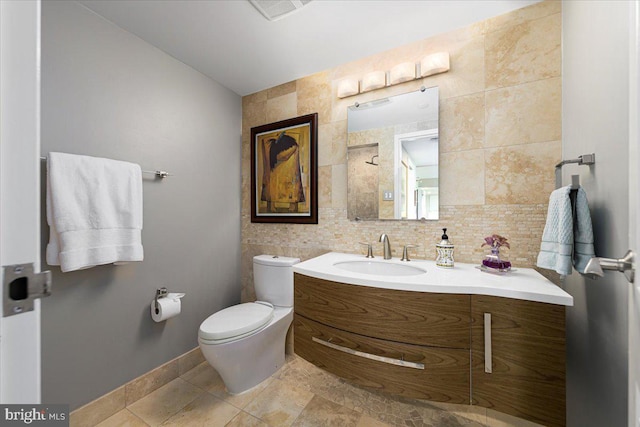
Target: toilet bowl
x=245, y=343
x=245, y=362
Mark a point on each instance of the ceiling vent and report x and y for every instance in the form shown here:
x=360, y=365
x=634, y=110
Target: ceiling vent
x=276, y=9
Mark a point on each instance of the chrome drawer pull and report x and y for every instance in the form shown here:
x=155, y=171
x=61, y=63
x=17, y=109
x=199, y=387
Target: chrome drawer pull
x=487, y=344
x=383, y=359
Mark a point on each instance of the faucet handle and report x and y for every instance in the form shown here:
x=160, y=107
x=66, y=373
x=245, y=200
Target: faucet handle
x=369, y=250
x=405, y=252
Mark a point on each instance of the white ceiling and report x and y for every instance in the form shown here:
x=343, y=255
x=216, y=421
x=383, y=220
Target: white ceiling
x=231, y=42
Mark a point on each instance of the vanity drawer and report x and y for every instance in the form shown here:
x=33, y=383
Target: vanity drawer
x=437, y=374
x=440, y=320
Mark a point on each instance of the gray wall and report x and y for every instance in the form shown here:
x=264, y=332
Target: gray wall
x=107, y=93
x=595, y=119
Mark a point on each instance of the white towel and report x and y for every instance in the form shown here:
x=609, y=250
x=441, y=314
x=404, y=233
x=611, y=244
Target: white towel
x=94, y=211
x=568, y=233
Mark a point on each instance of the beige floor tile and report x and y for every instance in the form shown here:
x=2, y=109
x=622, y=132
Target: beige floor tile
x=299, y=394
x=99, y=410
x=207, y=410
x=448, y=419
x=399, y=411
x=473, y=413
x=246, y=420
x=366, y=421
x=303, y=374
x=158, y=406
x=239, y=400
x=206, y=377
x=279, y=404
x=151, y=381
x=203, y=376
x=124, y=418
x=321, y=412
x=498, y=419
x=190, y=360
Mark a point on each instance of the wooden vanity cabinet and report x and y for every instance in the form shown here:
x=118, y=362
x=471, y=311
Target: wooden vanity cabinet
x=432, y=319
x=522, y=344
x=431, y=373
x=499, y=353
x=412, y=344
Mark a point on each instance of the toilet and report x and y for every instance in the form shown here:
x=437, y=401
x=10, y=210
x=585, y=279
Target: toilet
x=245, y=343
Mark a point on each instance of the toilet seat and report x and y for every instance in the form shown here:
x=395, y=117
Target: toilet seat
x=236, y=322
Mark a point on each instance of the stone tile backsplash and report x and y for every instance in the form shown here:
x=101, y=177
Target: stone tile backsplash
x=500, y=137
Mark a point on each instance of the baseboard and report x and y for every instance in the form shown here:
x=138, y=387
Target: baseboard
x=107, y=405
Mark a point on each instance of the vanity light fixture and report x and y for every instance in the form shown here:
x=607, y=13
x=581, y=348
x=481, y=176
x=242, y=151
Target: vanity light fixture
x=402, y=73
x=347, y=87
x=373, y=80
x=434, y=64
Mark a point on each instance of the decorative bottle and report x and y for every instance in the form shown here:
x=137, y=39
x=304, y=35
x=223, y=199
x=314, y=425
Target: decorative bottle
x=444, y=251
x=495, y=261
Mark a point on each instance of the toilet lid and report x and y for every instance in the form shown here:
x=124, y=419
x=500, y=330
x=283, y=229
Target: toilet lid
x=236, y=320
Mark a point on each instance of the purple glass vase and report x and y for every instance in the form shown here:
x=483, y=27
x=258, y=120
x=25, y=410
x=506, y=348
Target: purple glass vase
x=494, y=261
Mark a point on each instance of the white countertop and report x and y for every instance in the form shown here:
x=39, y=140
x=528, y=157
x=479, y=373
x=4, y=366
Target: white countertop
x=523, y=283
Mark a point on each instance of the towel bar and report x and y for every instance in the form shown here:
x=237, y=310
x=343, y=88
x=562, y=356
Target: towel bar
x=585, y=159
x=158, y=173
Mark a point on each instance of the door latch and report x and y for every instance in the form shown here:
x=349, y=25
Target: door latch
x=22, y=285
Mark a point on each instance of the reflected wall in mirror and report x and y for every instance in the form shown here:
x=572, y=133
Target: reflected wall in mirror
x=392, y=157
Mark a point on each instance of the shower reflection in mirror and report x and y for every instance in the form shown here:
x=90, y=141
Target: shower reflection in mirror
x=399, y=135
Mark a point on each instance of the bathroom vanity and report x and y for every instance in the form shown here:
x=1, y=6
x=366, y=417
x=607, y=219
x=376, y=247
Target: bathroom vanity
x=456, y=335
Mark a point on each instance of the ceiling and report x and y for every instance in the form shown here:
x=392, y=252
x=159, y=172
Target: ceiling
x=231, y=42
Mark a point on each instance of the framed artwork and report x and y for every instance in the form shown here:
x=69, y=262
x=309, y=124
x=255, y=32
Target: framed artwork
x=284, y=171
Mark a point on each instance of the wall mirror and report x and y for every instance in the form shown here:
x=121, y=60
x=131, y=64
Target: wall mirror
x=392, y=157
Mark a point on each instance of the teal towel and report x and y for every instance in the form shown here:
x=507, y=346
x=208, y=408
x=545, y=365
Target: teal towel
x=568, y=233
x=582, y=233
x=557, y=238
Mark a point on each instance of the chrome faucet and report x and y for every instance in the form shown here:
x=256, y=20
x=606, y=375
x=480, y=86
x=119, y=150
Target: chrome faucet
x=387, y=246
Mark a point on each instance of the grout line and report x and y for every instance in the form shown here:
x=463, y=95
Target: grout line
x=133, y=414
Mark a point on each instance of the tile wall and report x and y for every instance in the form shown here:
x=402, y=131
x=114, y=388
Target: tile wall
x=500, y=124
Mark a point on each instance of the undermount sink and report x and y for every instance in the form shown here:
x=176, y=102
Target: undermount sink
x=379, y=268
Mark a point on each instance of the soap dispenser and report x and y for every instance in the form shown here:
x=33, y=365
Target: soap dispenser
x=444, y=251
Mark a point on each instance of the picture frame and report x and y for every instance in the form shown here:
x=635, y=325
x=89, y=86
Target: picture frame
x=284, y=171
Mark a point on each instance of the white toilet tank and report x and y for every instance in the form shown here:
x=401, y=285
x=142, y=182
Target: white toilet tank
x=273, y=279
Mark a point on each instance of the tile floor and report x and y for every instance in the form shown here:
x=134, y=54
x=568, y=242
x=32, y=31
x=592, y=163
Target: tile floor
x=299, y=394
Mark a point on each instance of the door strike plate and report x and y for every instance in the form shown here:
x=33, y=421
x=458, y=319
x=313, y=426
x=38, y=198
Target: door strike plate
x=21, y=287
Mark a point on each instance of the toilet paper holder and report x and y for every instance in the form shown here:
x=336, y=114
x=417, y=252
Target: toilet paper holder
x=160, y=293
